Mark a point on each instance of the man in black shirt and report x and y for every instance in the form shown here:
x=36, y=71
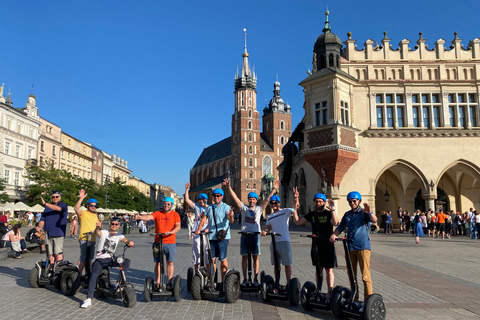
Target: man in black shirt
x=323, y=220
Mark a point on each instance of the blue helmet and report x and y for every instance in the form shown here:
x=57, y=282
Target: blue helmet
x=202, y=196
x=168, y=199
x=92, y=200
x=354, y=195
x=218, y=191
x=252, y=195
x=275, y=198
x=319, y=196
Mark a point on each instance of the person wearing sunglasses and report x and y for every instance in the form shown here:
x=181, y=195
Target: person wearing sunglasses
x=278, y=221
x=107, y=244
x=54, y=220
x=251, y=215
x=88, y=220
x=167, y=221
x=355, y=223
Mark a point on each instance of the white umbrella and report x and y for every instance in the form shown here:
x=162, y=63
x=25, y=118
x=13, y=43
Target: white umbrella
x=20, y=206
x=70, y=209
x=37, y=208
x=83, y=208
x=7, y=206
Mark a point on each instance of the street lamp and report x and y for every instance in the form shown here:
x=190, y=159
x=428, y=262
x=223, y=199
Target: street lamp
x=107, y=181
x=386, y=195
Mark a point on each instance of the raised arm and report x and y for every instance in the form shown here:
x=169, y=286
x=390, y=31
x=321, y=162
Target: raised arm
x=98, y=227
x=296, y=204
x=50, y=205
x=367, y=210
x=276, y=186
x=146, y=217
x=187, y=197
x=331, y=206
x=81, y=196
x=226, y=182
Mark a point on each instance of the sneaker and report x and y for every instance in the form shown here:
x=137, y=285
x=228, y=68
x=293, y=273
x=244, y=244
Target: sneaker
x=245, y=282
x=169, y=287
x=256, y=283
x=87, y=303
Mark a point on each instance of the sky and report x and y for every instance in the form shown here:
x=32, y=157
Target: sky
x=152, y=81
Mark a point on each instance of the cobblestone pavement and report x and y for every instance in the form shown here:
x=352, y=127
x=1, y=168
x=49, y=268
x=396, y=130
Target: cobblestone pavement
x=437, y=279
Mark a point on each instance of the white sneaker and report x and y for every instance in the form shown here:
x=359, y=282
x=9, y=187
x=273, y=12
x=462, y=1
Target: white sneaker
x=87, y=303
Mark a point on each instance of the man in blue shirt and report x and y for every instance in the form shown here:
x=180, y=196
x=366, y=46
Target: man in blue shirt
x=356, y=222
x=54, y=220
x=219, y=217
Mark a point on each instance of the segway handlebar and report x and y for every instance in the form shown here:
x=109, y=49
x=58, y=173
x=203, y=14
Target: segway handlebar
x=273, y=234
x=205, y=232
x=249, y=233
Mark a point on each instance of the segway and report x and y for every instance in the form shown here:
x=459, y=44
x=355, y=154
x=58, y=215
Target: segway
x=342, y=298
x=205, y=283
x=271, y=289
x=311, y=296
x=161, y=291
x=40, y=275
x=122, y=290
x=191, y=271
x=71, y=280
x=250, y=286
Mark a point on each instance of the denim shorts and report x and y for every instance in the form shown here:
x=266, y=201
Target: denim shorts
x=169, y=251
x=219, y=249
x=83, y=250
x=254, y=245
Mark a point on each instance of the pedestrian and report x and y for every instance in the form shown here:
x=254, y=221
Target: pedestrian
x=16, y=241
x=29, y=218
x=418, y=227
x=323, y=219
x=441, y=217
x=423, y=221
x=356, y=222
x=74, y=227
x=471, y=221
x=400, y=219
x=251, y=215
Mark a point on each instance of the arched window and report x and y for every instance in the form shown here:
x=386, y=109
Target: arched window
x=448, y=74
x=331, y=63
x=376, y=74
x=282, y=125
x=250, y=162
x=465, y=74
x=358, y=74
x=249, y=113
x=282, y=140
x=250, y=137
x=419, y=76
x=251, y=174
x=472, y=74
x=322, y=61
x=412, y=74
x=254, y=186
x=383, y=74
x=393, y=74
x=454, y=73
x=250, y=125
x=250, y=150
x=429, y=74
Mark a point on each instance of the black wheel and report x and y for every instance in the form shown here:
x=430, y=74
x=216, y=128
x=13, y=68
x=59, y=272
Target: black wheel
x=375, y=308
x=197, y=293
x=33, y=278
x=267, y=286
x=308, y=290
x=294, y=292
x=337, y=302
x=177, y=288
x=148, y=289
x=189, y=279
x=70, y=283
x=232, y=288
x=129, y=298
x=102, y=282
x=262, y=274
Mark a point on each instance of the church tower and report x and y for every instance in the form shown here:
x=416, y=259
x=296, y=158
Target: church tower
x=246, y=160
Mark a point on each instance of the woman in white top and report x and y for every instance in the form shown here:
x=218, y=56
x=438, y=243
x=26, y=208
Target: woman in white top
x=16, y=241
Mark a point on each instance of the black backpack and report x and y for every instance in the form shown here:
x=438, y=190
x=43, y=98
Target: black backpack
x=31, y=237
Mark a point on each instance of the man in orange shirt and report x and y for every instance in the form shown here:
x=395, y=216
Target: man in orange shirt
x=441, y=217
x=167, y=222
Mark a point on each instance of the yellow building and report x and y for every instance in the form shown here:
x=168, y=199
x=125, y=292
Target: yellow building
x=141, y=185
x=76, y=156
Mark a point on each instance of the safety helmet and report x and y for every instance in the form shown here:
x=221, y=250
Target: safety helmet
x=354, y=195
x=252, y=195
x=319, y=196
x=202, y=196
x=275, y=198
x=168, y=199
x=218, y=191
x=92, y=200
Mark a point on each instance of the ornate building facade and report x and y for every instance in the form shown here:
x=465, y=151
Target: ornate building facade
x=49, y=143
x=250, y=156
x=397, y=125
x=76, y=156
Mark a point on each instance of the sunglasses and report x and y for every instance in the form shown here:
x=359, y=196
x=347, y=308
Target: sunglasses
x=274, y=202
x=352, y=201
x=55, y=197
x=114, y=224
x=92, y=205
x=217, y=195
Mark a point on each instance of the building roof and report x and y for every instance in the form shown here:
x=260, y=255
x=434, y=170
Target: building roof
x=264, y=144
x=325, y=72
x=215, y=152
x=209, y=183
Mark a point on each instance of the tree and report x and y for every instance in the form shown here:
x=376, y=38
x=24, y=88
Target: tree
x=3, y=196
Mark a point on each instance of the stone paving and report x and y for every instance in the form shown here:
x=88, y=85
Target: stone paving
x=437, y=279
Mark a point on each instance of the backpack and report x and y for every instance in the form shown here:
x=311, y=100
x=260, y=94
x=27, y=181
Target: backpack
x=30, y=236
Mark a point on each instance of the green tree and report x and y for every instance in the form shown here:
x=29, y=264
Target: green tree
x=3, y=196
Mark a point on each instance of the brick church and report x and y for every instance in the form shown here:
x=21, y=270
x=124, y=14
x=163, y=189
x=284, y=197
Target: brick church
x=251, y=155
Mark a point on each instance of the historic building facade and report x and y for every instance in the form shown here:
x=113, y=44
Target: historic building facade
x=49, y=143
x=19, y=133
x=250, y=156
x=76, y=156
x=397, y=125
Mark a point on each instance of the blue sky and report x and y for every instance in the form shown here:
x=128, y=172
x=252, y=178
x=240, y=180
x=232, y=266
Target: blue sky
x=152, y=81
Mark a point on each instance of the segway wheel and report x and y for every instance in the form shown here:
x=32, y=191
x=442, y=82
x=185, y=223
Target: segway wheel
x=375, y=308
x=102, y=282
x=189, y=279
x=267, y=286
x=308, y=290
x=33, y=278
x=262, y=274
x=129, y=298
x=197, y=288
x=232, y=288
x=177, y=288
x=338, y=301
x=294, y=292
x=148, y=289
x=70, y=283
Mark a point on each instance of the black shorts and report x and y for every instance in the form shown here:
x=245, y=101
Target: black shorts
x=440, y=227
x=326, y=255
x=431, y=226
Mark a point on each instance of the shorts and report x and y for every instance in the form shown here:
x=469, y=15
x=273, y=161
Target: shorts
x=431, y=226
x=219, y=249
x=284, y=252
x=254, y=245
x=83, y=250
x=169, y=250
x=55, y=245
x=326, y=255
x=440, y=227
x=196, y=249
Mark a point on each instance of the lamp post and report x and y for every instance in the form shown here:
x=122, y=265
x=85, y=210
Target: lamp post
x=386, y=195
x=107, y=181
